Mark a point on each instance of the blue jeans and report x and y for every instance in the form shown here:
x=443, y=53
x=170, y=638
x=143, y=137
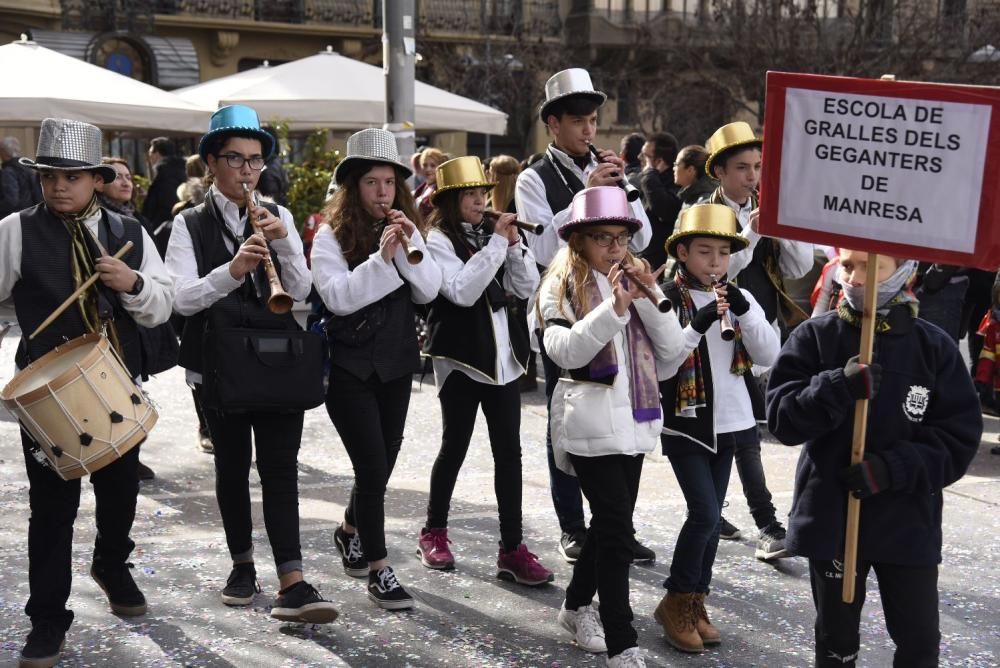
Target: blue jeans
x=703, y=477
x=566, y=496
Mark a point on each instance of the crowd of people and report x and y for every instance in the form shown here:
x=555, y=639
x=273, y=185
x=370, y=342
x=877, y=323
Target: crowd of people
x=664, y=320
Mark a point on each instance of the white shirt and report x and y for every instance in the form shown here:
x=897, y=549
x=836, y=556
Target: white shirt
x=731, y=409
x=196, y=294
x=463, y=283
x=533, y=207
x=345, y=291
x=149, y=308
x=794, y=261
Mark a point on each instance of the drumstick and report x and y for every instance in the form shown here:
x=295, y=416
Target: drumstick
x=79, y=291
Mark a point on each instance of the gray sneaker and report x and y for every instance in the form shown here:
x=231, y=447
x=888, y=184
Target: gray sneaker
x=771, y=543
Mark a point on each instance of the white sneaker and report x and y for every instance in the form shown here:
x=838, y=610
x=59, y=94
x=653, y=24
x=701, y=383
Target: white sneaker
x=630, y=658
x=585, y=626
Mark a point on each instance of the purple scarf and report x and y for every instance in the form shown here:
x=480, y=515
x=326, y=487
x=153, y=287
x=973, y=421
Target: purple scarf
x=643, y=387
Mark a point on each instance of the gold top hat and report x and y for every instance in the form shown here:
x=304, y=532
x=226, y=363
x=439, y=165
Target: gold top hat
x=464, y=172
x=707, y=220
x=727, y=137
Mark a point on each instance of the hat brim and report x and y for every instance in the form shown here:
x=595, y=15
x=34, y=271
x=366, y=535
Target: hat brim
x=710, y=162
x=461, y=186
x=344, y=167
x=597, y=95
x=568, y=228
x=266, y=140
x=107, y=172
x=736, y=242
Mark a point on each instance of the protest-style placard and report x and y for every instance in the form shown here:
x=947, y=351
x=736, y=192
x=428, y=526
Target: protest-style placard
x=899, y=168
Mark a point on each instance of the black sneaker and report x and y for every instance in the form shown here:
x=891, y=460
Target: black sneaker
x=143, y=472
x=121, y=590
x=771, y=543
x=641, y=554
x=571, y=544
x=386, y=592
x=302, y=603
x=43, y=647
x=241, y=586
x=352, y=555
x=727, y=531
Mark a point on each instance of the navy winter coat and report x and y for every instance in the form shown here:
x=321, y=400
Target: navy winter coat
x=925, y=422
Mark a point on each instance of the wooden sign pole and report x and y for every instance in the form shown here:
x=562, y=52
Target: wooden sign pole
x=860, y=427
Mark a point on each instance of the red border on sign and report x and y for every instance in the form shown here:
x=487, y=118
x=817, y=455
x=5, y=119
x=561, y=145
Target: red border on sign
x=986, y=254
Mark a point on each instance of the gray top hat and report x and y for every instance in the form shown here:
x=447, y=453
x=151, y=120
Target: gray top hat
x=574, y=81
x=371, y=145
x=66, y=145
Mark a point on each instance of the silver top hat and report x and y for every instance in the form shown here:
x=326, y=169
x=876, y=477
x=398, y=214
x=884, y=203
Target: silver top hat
x=68, y=145
x=574, y=81
x=371, y=145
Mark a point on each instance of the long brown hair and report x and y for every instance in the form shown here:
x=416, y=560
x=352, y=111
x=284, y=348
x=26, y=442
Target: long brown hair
x=354, y=227
x=447, y=215
x=503, y=171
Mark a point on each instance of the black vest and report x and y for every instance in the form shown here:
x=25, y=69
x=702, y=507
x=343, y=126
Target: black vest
x=392, y=351
x=241, y=307
x=558, y=194
x=701, y=427
x=465, y=334
x=46, y=281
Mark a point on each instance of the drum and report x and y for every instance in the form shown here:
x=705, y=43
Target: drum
x=80, y=405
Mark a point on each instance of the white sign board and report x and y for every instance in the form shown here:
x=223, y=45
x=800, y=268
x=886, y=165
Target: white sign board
x=883, y=167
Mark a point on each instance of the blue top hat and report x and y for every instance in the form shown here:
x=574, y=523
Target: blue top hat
x=237, y=119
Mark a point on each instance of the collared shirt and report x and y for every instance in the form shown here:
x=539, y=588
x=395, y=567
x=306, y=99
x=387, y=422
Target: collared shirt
x=463, y=283
x=346, y=291
x=196, y=294
x=149, y=308
x=794, y=261
x=533, y=207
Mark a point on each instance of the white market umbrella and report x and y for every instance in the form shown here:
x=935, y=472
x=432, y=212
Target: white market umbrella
x=41, y=83
x=328, y=90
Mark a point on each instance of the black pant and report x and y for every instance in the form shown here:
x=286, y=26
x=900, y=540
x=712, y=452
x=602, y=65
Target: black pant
x=751, y=471
x=460, y=400
x=277, y=437
x=909, y=601
x=565, y=489
x=703, y=477
x=54, y=503
x=611, y=485
x=369, y=416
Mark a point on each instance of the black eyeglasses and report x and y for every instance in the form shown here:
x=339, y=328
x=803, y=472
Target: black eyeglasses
x=236, y=161
x=604, y=239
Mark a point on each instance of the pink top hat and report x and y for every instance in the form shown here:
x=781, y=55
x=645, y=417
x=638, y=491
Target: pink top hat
x=601, y=205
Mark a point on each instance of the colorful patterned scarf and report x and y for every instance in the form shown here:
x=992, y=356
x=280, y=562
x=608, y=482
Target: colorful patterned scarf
x=643, y=387
x=882, y=324
x=690, y=379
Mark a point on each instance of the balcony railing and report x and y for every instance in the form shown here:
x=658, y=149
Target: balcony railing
x=499, y=17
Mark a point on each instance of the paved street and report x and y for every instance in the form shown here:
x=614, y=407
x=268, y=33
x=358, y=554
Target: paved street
x=466, y=617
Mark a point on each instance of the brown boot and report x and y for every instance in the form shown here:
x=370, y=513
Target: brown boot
x=676, y=614
x=709, y=634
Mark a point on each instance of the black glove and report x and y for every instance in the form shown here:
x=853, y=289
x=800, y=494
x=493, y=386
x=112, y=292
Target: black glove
x=868, y=478
x=705, y=316
x=862, y=379
x=738, y=302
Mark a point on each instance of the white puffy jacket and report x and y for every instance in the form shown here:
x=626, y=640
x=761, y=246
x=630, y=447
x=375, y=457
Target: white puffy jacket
x=593, y=419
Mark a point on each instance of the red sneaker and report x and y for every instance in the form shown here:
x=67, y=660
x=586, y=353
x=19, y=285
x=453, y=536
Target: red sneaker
x=433, y=549
x=522, y=567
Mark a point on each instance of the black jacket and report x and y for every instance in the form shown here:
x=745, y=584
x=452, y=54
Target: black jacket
x=925, y=422
x=162, y=196
x=662, y=206
x=274, y=181
x=19, y=188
